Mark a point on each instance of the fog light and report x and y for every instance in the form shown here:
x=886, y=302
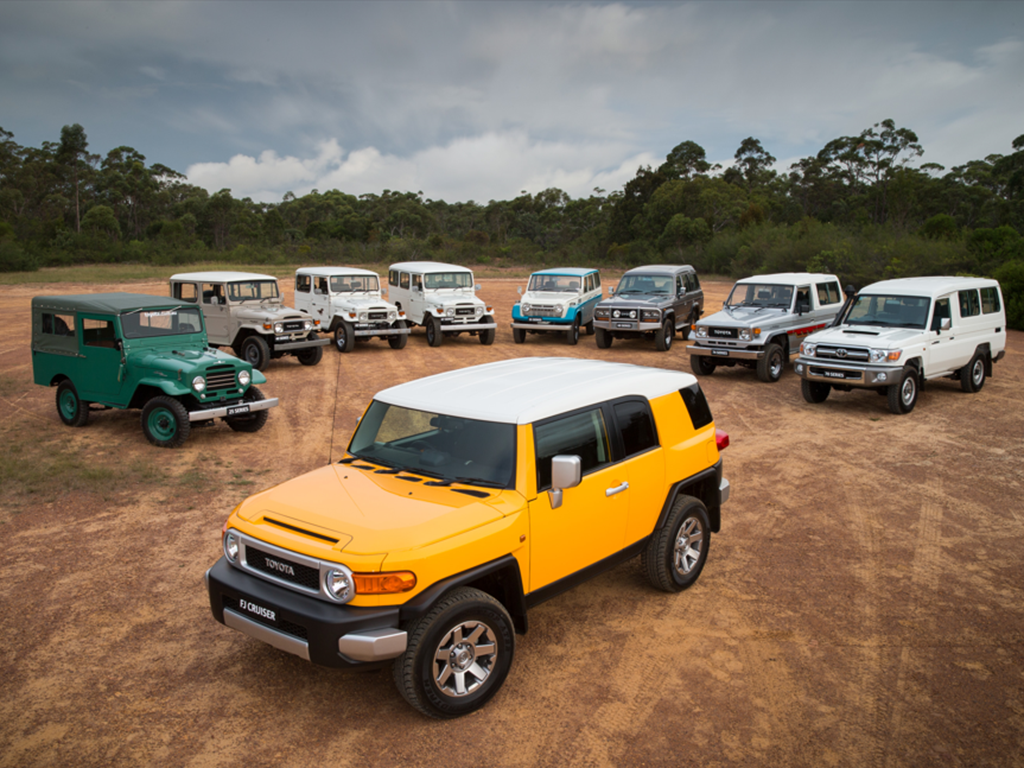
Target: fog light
x=881, y=376
x=799, y=368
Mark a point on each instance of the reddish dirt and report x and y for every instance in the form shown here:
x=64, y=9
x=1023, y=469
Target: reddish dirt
x=862, y=606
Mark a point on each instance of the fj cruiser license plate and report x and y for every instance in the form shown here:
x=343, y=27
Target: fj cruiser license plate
x=257, y=611
x=237, y=410
x=720, y=352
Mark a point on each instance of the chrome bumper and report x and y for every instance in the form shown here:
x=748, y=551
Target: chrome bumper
x=291, y=346
x=222, y=412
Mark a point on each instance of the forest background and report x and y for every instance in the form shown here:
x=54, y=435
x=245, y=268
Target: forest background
x=858, y=208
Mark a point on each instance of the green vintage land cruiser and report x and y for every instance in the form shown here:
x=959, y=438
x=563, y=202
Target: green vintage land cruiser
x=132, y=350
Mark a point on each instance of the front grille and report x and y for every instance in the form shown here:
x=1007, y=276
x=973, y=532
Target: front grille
x=288, y=627
x=287, y=570
x=541, y=310
x=833, y=352
x=723, y=333
x=378, y=315
x=220, y=377
x=293, y=325
x=465, y=310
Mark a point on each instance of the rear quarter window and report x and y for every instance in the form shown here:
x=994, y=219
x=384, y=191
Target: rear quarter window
x=990, y=300
x=697, y=406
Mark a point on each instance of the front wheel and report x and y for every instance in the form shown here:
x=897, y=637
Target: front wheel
x=769, y=367
x=250, y=422
x=684, y=332
x=72, y=411
x=458, y=655
x=972, y=376
x=676, y=553
x=434, y=334
x=165, y=422
x=487, y=337
x=903, y=396
x=701, y=365
x=518, y=335
x=590, y=328
x=344, y=338
x=603, y=337
x=663, y=341
x=815, y=391
x=572, y=336
x=310, y=356
x=256, y=352
x=398, y=340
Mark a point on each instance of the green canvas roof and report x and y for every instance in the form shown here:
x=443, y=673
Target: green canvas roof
x=110, y=303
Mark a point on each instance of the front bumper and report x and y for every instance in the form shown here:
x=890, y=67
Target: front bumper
x=235, y=409
x=627, y=326
x=543, y=325
x=851, y=375
x=388, y=331
x=726, y=353
x=293, y=346
x=329, y=635
x=448, y=324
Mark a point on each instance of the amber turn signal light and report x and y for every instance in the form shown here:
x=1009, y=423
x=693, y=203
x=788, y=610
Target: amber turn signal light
x=384, y=583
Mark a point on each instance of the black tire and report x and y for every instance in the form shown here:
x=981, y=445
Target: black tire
x=165, y=422
x=772, y=364
x=487, y=337
x=518, y=335
x=701, y=365
x=663, y=340
x=344, y=338
x=434, y=333
x=675, y=554
x=590, y=328
x=903, y=395
x=255, y=351
x=72, y=411
x=684, y=332
x=398, y=341
x=310, y=356
x=572, y=336
x=603, y=337
x=480, y=637
x=815, y=391
x=972, y=375
x=251, y=422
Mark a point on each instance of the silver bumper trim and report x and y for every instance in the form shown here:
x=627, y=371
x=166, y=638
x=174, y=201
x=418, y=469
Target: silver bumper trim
x=543, y=326
x=723, y=491
x=382, y=332
x=445, y=327
x=734, y=354
x=222, y=412
x=291, y=346
x=373, y=645
x=268, y=635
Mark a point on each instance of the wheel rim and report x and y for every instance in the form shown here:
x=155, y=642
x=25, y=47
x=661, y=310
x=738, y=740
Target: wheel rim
x=908, y=391
x=464, y=659
x=68, y=404
x=162, y=424
x=339, y=338
x=252, y=354
x=978, y=372
x=689, y=544
x=776, y=366
x=669, y=333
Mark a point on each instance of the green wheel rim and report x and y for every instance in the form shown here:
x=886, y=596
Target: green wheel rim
x=68, y=404
x=162, y=424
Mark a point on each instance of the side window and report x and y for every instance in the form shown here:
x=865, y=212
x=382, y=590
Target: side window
x=303, y=283
x=941, y=312
x=636, y=425
x=697, y=406
x=828, y=293
x=589, y=285
x=990, y=300
x=213, y=293
x=97, y=333
x=597, y=280
x=803, y=296
x=403, y=279
x=580, y=434
x=681, y=284
x=694, y=282
x=969, y=304
x=417, y=282
x=321, y=286
x=59, y=325
x=393, y=277
x=186, y=292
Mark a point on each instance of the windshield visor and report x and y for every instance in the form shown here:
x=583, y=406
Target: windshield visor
x=449, y=448
x=149, y=323
x=890, y=311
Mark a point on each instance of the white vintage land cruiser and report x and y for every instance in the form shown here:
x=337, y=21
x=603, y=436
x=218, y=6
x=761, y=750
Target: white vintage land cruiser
x=897, y=334
x=348, y=303
x=763, y=322
x=244, y=311
x=441, y=298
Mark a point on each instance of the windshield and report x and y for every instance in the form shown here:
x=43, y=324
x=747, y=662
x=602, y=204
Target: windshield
x=447, y=448
x=661, y=285
x=448, y=280
x=253, y=289
x=354, y=283
x=145, y=324
x=554, y=283
x=890, y=311
x=760, y=295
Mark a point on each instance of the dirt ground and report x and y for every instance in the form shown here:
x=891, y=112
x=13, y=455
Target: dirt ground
x=862, y=606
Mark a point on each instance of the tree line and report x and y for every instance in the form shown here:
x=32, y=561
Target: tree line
x=862, y=207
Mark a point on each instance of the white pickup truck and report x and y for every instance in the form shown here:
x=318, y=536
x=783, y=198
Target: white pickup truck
x=897, y=334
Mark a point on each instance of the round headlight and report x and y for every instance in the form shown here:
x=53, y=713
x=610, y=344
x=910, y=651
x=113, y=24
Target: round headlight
x=198, y=383
x=308, y=325
x=744, y=334
x=702, y=331
x=338, y=584
x=278, y=327
x=362, y=317
x=807, y=348
x=244, y=378
x=525, y=308
x=231, y=546
x=615, y=313
x=450, y=312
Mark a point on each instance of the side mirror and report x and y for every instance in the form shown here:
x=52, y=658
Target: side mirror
x=477, y=287
x=611, y=291
x=565, y=473
x=946, y=323
x=802, y=306
x=519, y=290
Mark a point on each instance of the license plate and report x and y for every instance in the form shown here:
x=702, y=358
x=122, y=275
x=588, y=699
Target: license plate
x=237, y=410
x=282, y=339
x=834, y=374
x=623, y=325
x=720, y=352
x=260, y=612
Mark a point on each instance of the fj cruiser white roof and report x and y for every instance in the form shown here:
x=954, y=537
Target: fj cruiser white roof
x=788, y=278
x=328, y=271
x=525, y=390
x=220, y=276
x=926, y=286
x=428, y=267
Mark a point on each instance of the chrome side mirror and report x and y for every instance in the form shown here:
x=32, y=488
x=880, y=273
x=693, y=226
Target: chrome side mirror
x=566, y=472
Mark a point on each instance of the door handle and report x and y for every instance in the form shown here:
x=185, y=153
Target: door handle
x=617, y=489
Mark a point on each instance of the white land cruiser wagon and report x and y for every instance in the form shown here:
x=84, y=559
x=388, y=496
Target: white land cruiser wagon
x=348, y=303
x=897, y=334
x=441, y=298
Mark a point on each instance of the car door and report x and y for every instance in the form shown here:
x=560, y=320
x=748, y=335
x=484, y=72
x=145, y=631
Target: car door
x=100, y=376
x=943, y=350
x=217, y=314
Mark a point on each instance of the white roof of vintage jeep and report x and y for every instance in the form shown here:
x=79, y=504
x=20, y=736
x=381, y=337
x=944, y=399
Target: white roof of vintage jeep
x=328, y=271
x=220, y=276
x=527, y=389
x=927, y=286
x=429, y=267
x=788, y=278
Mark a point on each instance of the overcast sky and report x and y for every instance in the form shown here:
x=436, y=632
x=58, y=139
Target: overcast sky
x=480, y=100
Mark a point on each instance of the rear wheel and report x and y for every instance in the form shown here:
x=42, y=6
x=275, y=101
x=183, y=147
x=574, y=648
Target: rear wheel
x=256, y=352
x=676, y=553
x=250, y=422
x=572, y=336
x=903, y=396
x=815, y=391
x=398, y=340
x=487, y=337
x=603, y=337
x=434, y=334
x=165, y=422
x=769, y=367
x=701, y=365
x=72, y=411
x=972, y=376
x=663, y=341
x=344, y=337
